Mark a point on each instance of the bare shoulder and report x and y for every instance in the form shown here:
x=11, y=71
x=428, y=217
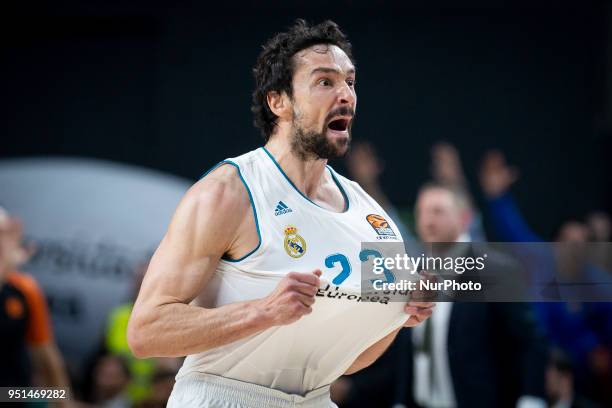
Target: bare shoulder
x=213, y=209
x=220, y=188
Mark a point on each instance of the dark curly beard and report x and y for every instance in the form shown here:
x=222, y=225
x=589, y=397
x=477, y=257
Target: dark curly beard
x=312, y=145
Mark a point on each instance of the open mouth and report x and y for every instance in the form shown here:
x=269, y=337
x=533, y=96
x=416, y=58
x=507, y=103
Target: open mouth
x=339, y=125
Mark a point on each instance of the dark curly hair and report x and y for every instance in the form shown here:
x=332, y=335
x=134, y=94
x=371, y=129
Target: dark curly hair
x=274, y=68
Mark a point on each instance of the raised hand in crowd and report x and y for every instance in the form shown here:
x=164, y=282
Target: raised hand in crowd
x=446, y=165
x=496, y=176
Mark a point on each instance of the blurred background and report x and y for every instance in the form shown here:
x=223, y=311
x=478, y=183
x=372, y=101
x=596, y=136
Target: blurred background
x=110, y=110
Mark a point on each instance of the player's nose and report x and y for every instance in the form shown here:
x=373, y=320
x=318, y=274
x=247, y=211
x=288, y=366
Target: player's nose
x=347, y=95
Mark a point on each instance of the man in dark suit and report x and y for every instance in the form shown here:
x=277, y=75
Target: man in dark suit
x=470, y=354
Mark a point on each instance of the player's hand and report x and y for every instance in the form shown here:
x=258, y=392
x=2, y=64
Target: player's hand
x=418, y=311
x=292, y=298
x=422, y=303
x=496, y=176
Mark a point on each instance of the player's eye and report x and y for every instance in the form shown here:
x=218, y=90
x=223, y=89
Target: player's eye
x=325, y=82
x=350, y=82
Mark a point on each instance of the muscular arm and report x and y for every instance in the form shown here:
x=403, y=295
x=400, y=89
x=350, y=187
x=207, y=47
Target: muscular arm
x=209, y=222
x=163, y=323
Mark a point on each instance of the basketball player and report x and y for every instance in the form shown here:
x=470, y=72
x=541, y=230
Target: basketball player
x=257, y=280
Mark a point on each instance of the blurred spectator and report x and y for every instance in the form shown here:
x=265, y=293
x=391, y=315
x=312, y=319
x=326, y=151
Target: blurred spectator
x=600, y=226
x=582, y=330
x=470, y=354
x=110, y=379
x=162, y=384
x=600, y=231
x=446, y=169
x=573, y=231
x=496, y=178
x=560, y=387
x=28, y=348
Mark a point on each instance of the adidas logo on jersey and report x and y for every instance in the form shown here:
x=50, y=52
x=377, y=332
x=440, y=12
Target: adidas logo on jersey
x=281, y=208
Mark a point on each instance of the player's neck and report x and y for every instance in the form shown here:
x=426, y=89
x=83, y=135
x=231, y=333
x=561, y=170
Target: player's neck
x=307, y=175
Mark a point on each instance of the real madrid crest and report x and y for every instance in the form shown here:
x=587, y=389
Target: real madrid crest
x=295, y=245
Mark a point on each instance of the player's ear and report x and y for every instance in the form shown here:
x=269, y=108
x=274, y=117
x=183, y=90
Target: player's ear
x=279, y=104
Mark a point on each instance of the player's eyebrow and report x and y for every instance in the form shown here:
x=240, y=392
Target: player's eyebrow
x=330, y=70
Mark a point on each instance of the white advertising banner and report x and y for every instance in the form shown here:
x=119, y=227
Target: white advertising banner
x=92, y=223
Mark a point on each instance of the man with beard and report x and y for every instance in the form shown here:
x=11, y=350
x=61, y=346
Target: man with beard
x=257, y=280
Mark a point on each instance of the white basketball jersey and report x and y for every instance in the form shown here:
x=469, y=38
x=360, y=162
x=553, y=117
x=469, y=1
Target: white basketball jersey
x=298, y=235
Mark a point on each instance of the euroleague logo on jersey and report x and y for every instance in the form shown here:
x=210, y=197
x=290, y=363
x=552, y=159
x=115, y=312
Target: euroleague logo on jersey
x=295, y=245
x=381, y=226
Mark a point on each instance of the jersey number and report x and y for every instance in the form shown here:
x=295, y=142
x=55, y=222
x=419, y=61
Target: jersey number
x=332, y=260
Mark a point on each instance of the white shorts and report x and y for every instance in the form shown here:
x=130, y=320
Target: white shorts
x=199, y=390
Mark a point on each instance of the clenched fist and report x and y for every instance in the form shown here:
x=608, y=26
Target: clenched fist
x=292, y=298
